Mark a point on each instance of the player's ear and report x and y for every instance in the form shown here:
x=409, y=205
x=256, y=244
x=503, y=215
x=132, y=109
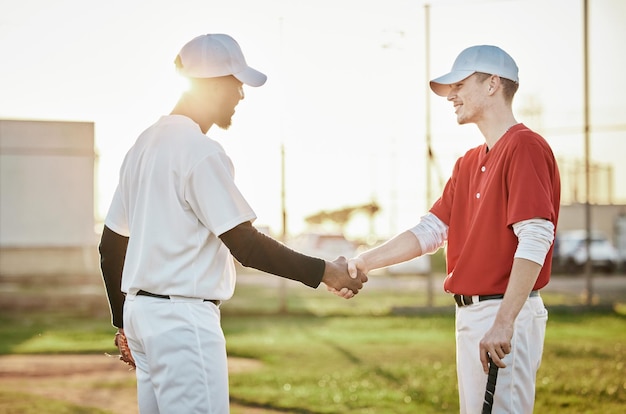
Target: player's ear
x=492, y=84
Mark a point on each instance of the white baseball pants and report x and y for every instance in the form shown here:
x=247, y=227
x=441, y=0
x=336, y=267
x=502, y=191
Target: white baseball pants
x=515, y=386
x=180, y=353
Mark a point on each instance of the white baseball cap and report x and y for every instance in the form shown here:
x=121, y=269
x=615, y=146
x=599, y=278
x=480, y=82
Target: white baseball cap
x=214, y=55
x=482, y=58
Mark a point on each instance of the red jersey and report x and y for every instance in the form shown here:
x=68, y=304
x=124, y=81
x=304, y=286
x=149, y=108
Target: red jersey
x=490, y=190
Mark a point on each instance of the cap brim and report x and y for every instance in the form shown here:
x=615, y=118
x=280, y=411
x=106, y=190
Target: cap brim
x=251, y=77
x=441, y=84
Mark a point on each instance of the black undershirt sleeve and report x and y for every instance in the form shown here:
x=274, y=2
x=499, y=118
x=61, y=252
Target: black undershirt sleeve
x=112, y=255
x=254, y=249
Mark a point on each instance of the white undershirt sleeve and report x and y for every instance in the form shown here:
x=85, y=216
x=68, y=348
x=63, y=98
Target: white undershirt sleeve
x=431, y=233
x=535, y=236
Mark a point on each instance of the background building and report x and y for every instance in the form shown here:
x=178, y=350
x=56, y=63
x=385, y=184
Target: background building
x=47, y=197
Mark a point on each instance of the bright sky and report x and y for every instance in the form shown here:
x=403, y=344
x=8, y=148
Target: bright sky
x=346, y=93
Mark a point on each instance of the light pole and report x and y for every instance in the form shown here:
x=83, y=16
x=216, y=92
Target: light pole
x=588, y=267
x=429, y=151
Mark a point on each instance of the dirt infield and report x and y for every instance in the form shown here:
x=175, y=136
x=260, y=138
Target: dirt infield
x=96, y=381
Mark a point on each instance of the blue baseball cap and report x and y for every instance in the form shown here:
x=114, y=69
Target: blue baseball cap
x=482, y=58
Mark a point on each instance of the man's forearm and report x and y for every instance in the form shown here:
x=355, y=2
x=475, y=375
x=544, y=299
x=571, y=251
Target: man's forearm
x=254, y=249
x=112, y=256
x=524, y=274
x=401, y=248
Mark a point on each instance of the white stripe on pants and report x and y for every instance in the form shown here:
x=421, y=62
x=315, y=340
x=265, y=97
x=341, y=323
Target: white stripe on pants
x=180, y=352
x=515, y=387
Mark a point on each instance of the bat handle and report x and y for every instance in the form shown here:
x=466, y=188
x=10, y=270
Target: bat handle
x=491, y=387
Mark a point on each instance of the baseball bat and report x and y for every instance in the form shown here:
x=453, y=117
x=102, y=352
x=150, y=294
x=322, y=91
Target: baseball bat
x=491, y=387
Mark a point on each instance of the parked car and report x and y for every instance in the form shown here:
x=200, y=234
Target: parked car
x=570, y=252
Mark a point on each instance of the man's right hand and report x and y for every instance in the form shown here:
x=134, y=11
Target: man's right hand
x=356, y=266
x=338, y=280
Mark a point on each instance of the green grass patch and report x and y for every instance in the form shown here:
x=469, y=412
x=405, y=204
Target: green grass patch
x=13, y=403
x=345, y=364
x=406, y=364
x=54, y=333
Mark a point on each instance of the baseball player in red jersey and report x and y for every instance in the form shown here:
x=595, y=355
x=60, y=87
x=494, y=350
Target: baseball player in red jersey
x=175, y=222
x=497, y=215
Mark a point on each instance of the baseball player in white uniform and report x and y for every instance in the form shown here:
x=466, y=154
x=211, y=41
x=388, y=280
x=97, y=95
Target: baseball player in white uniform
x=175, y=222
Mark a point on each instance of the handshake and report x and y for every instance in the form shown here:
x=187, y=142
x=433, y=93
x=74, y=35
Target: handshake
x=344, y=277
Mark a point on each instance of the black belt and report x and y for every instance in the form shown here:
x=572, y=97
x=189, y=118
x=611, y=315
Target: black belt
x=154, y=295
x=465, y=300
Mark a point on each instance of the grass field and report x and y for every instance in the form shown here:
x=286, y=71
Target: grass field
x=328, y=355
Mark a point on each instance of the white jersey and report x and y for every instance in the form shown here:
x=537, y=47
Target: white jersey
x=175, y=196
